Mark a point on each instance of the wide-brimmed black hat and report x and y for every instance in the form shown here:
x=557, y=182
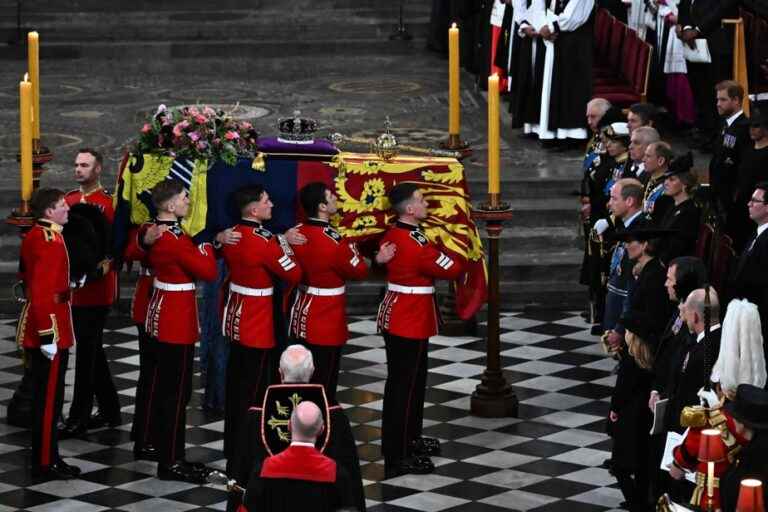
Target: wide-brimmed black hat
x=680, y=165
x=750, y=406
x=641, y=234
x=641, y=325
x=612, y=115
x=759, y=115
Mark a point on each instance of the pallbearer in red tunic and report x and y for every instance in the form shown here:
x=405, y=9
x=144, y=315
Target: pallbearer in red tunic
x=172, y=326
x=408, y=317
x=45, y=327
x=254, y=261
x=300, y=477
x=318, y=316
x=137, y=251
x=90, y=307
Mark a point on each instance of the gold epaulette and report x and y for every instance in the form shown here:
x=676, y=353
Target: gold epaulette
x=694, y=416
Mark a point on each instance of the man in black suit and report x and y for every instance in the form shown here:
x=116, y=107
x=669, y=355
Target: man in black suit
x=694, y=371
x=730, y=144
x=702, y=19
x=750, y=279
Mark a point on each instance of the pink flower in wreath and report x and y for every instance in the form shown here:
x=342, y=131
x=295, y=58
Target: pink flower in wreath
x=232, y=135
x=146, y=128
x=202, y=145
x=201, y=119
x=179, y=128
x=194, y=136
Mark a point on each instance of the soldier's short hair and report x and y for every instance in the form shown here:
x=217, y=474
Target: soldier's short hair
x=164, y=191
x=645, y=111
x=400, y=195
x=664, y=150
x=311, y=196
x=647, y=135
x=763, y=185
x=631, y=188
x=98, y=157
x=247, y=195
x=732, y=89
x=43, y=199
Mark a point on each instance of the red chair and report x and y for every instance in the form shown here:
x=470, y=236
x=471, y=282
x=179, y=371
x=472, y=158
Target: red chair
x=632, y=86
x=722, y=263
x=603, y=23
x=614, y=52
x=706, y=231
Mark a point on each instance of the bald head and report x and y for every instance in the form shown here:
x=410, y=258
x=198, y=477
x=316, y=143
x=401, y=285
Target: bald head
x=694, y=308
x=296, y=365
x=306, y=422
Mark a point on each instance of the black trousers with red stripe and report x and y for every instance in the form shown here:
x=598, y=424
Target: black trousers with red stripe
x=249, y=373
x=146, y=388
x=47, y=380
x=173, y=389
x=92, y=374
x=403, y=395
x=327, y=360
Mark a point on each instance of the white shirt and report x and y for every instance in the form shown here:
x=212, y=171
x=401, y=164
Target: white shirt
x=701, y=334
x=761, y=228
x=631, y=219
x=299, y=443
x=731, y=119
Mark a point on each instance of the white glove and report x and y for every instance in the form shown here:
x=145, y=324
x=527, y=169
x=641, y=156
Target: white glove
x=600, y=226
x=708, y=398
x=49, y=351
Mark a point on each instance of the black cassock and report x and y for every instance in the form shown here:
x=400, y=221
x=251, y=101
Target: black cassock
x=558, y=73
x=250, y=453
x=297, y=479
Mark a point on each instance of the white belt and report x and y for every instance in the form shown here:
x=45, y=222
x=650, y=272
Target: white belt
x=173, y=287
x=144, y=271
x=322, y=292
x=411, y=290
x=251, y=292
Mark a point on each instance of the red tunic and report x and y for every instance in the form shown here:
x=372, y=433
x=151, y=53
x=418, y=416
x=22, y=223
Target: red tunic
x=327, y=260
x=252, y=263
x=45, y=272
x=408, y=309
x=135, y=252
x=178, y=263
x=687, y=455
x=102, y=291
x=299, y=462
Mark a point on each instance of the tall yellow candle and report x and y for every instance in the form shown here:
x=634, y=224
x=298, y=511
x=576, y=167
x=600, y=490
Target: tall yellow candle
x=454, y=105
x=33, y=48
x=25, y=135
x=493, y=135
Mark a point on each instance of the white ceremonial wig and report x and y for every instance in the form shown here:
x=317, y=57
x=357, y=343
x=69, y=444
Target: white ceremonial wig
x=741, y=359
x=296, y=364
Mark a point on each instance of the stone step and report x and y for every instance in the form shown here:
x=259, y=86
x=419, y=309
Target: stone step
x=537, y=265
x=30, y=7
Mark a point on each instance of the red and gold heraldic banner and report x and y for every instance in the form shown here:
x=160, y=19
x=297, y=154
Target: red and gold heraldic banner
x=361, y=184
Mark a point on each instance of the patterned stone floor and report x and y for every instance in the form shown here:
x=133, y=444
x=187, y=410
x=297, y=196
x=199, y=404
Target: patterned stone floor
x=548, y=459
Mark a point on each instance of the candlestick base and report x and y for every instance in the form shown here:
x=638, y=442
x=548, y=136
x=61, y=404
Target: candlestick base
x=454, y=143
x=493, y=397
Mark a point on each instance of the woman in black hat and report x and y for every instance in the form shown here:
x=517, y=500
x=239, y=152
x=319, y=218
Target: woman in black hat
x=684, y=217
x=752, y=170
x=630, y=419
x=750, y=414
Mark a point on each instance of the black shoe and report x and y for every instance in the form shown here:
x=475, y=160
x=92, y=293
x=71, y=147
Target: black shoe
x=100, y=420
x=415, y=465
x=597, y=330
x=70, y=430
x=68, y=468
x=55, y=472
x=147, y=452
x=427, y=446
x=181, y=472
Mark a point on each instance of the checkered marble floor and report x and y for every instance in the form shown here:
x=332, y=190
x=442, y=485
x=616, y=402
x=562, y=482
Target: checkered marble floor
x=548, y=459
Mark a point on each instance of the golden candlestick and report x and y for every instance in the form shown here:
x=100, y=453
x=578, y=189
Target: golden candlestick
x=494, y=153
x=33, y=50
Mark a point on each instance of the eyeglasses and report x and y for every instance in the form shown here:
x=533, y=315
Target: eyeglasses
x=752, y=200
